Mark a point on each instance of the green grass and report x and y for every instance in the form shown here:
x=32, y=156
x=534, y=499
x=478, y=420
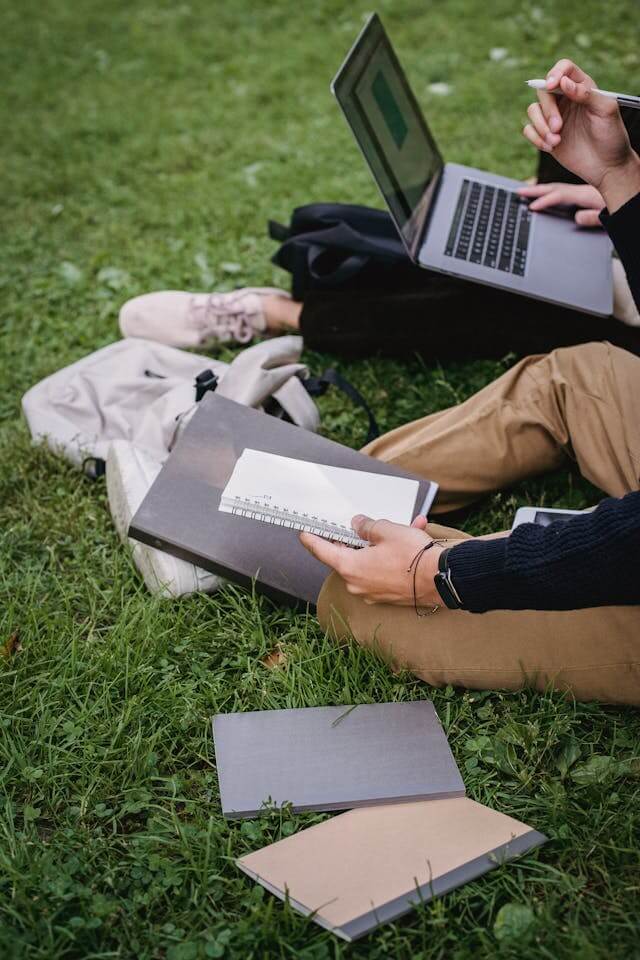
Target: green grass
x=145, y=144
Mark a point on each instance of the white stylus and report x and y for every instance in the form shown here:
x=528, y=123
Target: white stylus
x=624, y=99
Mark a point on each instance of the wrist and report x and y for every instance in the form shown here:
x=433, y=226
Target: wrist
x=620, y=183
x=426, y=587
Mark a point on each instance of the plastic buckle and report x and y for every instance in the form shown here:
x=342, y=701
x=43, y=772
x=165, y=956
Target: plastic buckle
x=205, y=381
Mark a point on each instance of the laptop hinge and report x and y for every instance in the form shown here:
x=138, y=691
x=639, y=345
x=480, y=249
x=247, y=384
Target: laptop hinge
x=421, y=232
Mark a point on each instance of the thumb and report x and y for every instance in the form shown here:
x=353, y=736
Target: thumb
x=419, y=522
x=578, y=92
x=588, y=218
x=583, y=93
x=371, y=530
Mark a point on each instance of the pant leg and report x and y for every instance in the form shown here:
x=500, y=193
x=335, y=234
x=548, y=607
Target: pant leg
x=441, y=319
x=594, y=653
x=581, y=403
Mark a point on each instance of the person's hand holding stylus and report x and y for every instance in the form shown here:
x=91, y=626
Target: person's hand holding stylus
x=585, y=133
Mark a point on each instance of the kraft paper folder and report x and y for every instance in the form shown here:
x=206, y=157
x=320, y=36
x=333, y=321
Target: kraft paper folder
x=369, y=866
x=180, y=512
x=332, y=758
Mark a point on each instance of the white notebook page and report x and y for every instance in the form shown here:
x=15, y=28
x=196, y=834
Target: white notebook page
x=313, y=496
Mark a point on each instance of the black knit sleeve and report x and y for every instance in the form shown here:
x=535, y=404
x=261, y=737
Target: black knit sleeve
x=592, y=560
x=623, y=227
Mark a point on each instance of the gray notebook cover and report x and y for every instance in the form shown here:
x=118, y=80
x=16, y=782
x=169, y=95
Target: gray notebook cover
x=332, y=758
x=180, y=512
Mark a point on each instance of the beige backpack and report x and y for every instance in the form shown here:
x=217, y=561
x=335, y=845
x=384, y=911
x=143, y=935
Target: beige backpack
x=121, y=410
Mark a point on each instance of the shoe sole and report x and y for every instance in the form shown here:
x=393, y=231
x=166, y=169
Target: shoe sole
x=163, y=574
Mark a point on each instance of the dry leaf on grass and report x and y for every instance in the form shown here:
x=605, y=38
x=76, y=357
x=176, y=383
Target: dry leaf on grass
x=12, y=645
x=277, y=658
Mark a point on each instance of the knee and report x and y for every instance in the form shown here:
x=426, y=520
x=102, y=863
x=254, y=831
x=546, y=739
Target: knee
x=583, y=352
x=586, y=368
x=582, y=364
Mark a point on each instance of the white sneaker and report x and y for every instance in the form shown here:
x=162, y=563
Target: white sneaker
x=196, y=319
x=130, y=473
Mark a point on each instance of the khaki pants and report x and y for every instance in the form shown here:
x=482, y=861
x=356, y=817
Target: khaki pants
x=580, y=402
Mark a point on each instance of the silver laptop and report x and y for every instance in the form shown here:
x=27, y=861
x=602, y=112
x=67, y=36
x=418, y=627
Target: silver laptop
x=456, y=219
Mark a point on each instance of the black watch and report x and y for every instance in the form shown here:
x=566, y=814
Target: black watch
x=448, y=593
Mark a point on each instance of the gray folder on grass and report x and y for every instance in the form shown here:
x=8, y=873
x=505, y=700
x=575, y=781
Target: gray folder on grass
x=333, y=758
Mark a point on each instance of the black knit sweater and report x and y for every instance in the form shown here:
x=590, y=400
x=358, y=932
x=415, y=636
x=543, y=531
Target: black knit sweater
x=591, y=560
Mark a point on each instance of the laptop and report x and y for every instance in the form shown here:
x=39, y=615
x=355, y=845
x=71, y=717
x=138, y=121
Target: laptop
x=456, y=219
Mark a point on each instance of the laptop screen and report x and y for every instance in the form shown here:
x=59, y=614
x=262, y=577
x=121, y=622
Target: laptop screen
x=387, y=122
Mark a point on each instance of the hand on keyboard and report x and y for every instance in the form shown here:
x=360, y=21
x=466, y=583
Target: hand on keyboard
x=545, y=195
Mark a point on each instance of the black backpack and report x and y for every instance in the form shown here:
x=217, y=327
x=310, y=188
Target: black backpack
x=338, y=244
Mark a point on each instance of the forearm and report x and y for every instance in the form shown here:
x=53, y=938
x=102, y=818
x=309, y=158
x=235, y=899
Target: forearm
x=622, y=226
x=588, y=561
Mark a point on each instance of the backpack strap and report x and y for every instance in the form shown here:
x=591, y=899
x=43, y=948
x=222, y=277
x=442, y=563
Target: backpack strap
x=277, y=231
x=318, y=386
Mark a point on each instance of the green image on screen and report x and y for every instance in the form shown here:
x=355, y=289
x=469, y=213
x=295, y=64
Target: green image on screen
x=389, y=109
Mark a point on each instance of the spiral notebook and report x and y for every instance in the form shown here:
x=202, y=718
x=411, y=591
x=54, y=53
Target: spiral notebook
x=315, y=497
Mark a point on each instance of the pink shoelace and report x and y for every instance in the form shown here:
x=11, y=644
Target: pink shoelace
x=223, y=317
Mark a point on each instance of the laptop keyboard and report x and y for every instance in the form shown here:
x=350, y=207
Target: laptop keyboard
x=490, y=226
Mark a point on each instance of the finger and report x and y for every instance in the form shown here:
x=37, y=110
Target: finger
x=551, y=111
x=548, y=200
x=536, y=189
x=583, y=92
x=564, y=68
x=335, y=555
x=588, y=218
x=420, y=522
x=535, y=114
x=580, y=194
x=530, y=134
x=372, y=530
x=578, y=92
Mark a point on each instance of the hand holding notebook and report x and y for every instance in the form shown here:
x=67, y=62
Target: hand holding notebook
x=399, y=571
x=180, y=513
